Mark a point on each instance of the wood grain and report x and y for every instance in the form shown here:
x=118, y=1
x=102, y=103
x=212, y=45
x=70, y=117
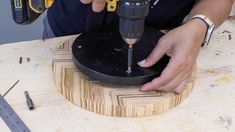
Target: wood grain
x=108, y=99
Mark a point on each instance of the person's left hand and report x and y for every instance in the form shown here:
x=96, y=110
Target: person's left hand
x=182, y=44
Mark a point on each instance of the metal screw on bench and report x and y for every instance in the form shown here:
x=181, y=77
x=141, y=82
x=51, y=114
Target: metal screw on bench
x=29, y=101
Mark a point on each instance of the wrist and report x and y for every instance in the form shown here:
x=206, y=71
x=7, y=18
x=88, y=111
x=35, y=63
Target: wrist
x=210, y=28
x=198, y=28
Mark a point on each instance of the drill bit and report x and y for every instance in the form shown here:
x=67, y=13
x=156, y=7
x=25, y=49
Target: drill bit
x=29, y=101
x=10, y=88
x=129, y=60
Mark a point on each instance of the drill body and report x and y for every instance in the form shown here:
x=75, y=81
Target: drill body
x=132, y=15
x=27, y=11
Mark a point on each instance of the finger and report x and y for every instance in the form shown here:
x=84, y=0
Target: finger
x=86, y=1
x=182, y=86
x=187, y=80
x=98, y=5
x=155, y=55
x=173, y=68
x=177, y=81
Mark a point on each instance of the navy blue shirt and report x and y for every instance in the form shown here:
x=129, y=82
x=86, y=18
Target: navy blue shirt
x=67, y=17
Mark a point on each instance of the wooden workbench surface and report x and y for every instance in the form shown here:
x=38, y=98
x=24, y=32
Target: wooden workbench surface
x=210, y=107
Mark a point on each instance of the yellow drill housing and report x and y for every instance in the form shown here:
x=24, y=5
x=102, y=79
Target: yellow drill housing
x=111, y=5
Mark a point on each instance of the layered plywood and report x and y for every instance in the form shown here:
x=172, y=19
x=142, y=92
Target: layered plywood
x=108, y=99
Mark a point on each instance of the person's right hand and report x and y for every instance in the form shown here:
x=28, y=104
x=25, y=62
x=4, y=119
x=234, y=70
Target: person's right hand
x=97, y=5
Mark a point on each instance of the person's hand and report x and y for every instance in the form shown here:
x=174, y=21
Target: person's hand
x=182, y=44
x=97, y=5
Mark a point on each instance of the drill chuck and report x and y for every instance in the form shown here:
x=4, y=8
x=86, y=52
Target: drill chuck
x=132, y=15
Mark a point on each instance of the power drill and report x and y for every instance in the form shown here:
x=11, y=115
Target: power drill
x=131, y=14
x=27, y=11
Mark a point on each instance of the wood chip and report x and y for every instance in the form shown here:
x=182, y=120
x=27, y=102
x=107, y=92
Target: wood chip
x=225, y=121
x=226, y=31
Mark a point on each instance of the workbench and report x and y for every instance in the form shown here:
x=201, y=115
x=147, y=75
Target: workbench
x=210, y=106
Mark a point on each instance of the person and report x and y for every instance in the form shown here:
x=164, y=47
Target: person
x=182, y=43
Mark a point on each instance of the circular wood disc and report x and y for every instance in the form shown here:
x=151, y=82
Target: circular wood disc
x=111, y=100
x=101, y=55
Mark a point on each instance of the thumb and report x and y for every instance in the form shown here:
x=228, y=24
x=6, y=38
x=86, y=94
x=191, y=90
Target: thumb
x=154, y=57
x=86, y=1
x=98, y=5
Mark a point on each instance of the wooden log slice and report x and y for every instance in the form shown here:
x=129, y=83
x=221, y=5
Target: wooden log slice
x=108, y=100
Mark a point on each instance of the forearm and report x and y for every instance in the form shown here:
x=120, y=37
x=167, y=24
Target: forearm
x=216, y=10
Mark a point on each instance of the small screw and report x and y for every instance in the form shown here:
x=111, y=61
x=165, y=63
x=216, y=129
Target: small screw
x=229, y=37
x=29, y=101
x=20, y=60
x=28, y=59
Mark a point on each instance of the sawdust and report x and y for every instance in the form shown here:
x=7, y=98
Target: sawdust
x=225, y=121
x=213, y=85
x=226, y=31
x=224, y=79
x=58, y=129
x=142, y=125
x=228, y=34
x=218, y=52
x=214, y=71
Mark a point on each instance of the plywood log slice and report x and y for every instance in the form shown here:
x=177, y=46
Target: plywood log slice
x=108, y=100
